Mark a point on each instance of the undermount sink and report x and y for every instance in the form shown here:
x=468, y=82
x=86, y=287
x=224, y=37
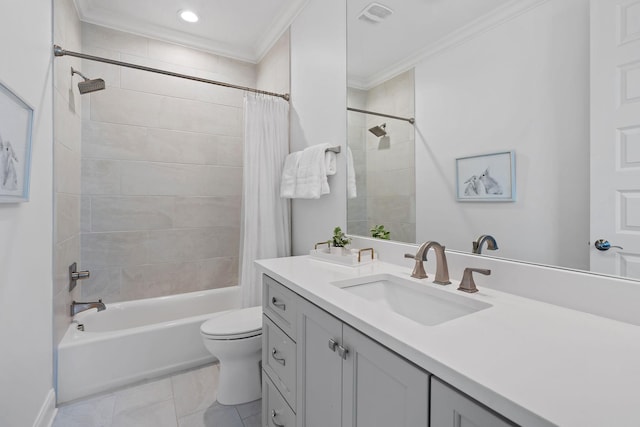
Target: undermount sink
x=415, y=301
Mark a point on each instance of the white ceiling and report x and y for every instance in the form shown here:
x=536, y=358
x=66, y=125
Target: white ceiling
x=246, y=29
x=379, y=51
x=241, y=29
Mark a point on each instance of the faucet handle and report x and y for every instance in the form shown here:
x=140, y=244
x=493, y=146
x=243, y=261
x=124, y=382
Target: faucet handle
x=410, y=256
x=467, y=284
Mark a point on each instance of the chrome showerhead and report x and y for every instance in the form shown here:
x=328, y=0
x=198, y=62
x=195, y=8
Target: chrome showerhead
x=379, y=130
x=88, y=85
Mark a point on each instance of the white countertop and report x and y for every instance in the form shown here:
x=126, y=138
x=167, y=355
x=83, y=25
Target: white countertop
x=535, y=363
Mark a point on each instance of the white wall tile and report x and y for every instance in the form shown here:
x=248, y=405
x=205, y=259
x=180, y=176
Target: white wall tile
x=113, y=249
x=207, y=211
x=113, y=141
x=162, y=158
x=154, y=280
x=131, y=213
x=104, y=283
x=106, y=38
x=160, y=84
x=67, y=221
x=100, y=177
x=143, y=109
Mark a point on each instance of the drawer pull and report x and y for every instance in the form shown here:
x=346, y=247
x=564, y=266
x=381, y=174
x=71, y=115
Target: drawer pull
x=274, y=414
x=279, y=305
x=343, y=352
x=280, y=360
x=332, y=345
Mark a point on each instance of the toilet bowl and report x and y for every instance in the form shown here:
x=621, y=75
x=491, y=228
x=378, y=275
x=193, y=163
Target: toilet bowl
x=234, y=337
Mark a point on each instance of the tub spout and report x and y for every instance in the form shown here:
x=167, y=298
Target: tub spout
x=77, y=307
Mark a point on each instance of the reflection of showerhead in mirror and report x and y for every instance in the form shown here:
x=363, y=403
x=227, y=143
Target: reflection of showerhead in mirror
x=379, y=130
x=88, y=85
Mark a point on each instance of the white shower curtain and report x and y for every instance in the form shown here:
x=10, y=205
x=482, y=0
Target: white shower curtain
x=266, y=226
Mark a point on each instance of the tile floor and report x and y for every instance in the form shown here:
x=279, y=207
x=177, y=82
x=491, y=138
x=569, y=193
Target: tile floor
x=187, y=399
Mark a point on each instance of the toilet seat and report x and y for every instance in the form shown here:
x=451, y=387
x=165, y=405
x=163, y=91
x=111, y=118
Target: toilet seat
x=234, y=324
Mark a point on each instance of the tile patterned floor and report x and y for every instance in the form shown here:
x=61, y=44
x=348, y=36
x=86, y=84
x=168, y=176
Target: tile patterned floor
x=187, y=399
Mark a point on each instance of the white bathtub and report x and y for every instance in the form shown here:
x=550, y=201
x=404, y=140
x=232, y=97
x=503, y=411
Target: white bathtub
x=135, y=340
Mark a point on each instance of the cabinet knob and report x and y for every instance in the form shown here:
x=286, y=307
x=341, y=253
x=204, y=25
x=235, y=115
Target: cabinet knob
x=342, y=352
x=280, y=360
x=282, y=306
x=332, y=345
x=274, y=414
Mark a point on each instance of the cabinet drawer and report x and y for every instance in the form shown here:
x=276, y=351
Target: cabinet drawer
x=279, y=304
x=275, y=411
x=279, y=359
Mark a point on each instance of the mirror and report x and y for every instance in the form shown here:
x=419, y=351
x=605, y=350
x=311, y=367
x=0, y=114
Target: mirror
x=481, y=78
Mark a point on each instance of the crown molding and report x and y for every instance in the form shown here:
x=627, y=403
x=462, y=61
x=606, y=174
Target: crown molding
x=251, y=54
x=280, y=25
x=464, y=34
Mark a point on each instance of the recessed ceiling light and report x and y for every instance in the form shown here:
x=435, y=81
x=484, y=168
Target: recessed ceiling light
x=188, y=15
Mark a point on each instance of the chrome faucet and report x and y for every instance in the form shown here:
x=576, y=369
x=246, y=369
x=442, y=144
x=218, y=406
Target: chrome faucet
x=442, y=270
x=491, y=243
x=77, y=307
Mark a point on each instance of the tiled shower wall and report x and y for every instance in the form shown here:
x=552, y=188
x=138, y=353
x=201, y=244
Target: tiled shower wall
x=66, y=142
x=391, y=188
x=357, y=222
x=161, y=170
x=386, y=192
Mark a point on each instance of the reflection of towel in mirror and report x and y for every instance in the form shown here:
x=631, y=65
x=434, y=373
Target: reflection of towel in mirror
x=289, y=171
x=352, y=192
x=311, y=178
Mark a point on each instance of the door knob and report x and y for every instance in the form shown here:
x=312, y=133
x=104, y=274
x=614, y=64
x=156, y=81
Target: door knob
x=604, y=245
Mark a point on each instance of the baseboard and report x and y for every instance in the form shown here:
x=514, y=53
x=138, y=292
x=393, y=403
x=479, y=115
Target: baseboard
x=47, y=411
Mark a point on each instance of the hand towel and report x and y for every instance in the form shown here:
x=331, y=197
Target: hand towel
x=330, y=163
x=352, y=192
x=311, y=178
x=289, y=171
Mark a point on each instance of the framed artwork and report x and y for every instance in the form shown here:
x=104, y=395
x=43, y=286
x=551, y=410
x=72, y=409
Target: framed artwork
x=486, y=178
x=16, y=122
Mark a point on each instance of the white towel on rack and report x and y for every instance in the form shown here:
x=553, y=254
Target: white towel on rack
x=352, y=191
x=330, y=163
x=311, y=178
x=289, y=172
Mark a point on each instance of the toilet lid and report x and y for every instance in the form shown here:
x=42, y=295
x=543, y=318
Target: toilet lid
x=234, y=324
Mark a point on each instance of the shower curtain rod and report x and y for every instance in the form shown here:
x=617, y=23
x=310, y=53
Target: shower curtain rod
x=410, y=119
x=58, y=51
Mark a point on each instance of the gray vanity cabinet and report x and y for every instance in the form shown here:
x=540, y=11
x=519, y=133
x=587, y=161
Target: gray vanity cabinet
x=346, y=379
x=319, y=372
x=450, y=408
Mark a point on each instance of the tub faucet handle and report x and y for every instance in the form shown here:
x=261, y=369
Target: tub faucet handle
x=75, y=275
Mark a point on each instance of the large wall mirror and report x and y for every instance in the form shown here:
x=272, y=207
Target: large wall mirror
x=481, y=79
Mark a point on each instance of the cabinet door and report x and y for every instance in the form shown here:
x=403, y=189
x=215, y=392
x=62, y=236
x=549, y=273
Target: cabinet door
x=380, y=388
x=450, y=408
x=319, y=374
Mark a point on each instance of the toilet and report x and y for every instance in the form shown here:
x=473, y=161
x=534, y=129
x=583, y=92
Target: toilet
x=234, y=337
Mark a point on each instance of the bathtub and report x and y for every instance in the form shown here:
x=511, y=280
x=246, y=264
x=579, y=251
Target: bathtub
x=135, y=340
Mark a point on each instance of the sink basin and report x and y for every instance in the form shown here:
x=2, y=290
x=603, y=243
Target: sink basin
x=416, y=301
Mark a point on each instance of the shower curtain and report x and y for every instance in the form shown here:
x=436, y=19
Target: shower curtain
x=266, y=225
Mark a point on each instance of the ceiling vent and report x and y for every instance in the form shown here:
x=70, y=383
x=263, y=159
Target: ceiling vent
x=375, y=13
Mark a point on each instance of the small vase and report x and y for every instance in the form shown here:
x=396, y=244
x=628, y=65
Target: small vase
x=337, y=250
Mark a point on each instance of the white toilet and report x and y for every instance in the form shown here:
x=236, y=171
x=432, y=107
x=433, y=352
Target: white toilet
x=235, y=338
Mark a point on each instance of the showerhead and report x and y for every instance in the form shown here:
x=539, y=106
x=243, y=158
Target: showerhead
x=88, y=85
x=379, y=130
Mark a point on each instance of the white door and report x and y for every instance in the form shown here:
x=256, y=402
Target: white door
x=615, y=136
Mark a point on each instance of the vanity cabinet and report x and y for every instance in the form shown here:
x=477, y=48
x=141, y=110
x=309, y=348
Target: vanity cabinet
x=342, y=378
x=318, y=371
x=450, y=408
